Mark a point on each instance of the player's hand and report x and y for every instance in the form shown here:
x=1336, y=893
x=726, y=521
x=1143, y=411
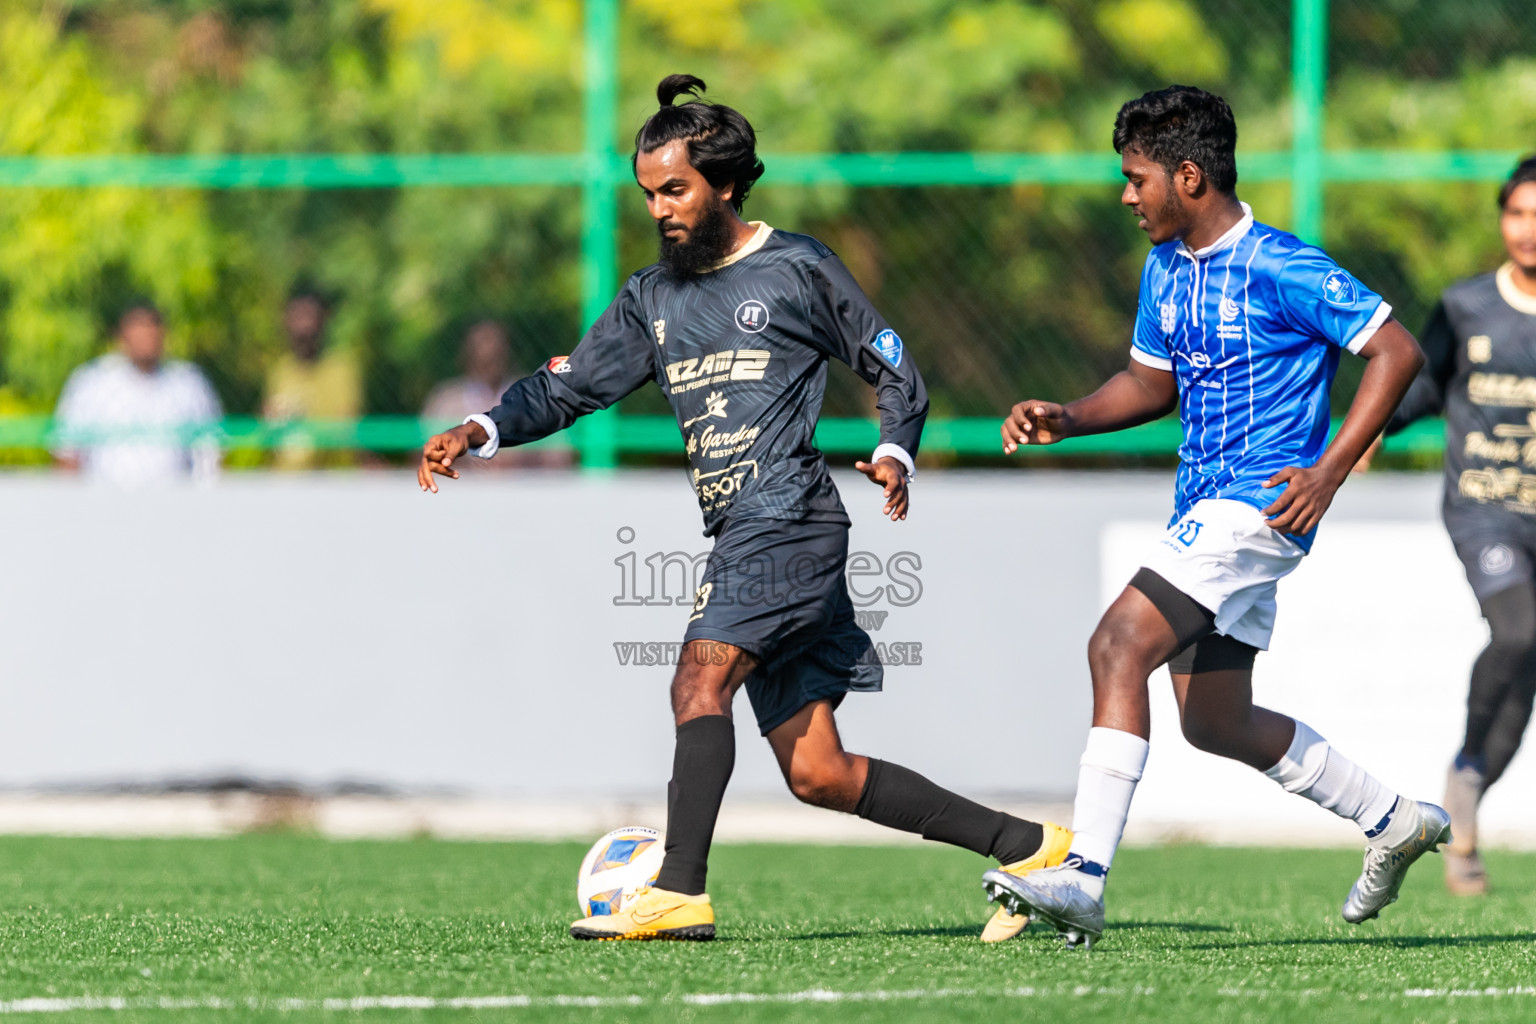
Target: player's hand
x=1035, y=422
x=892, y=476
x=437, y=457
x=1364, y=464
x=1307, y=495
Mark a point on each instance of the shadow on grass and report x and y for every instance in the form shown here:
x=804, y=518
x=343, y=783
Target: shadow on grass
x=1378, y=941
x=971, y=931
x=961, y=931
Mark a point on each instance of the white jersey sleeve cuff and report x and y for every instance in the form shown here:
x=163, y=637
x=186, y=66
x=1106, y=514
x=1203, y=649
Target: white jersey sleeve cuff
x=1148, y=359
x=1371, y=327
x=492, y=446
x=896, y=452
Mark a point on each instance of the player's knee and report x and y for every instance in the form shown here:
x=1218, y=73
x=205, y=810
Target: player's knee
x=823, y=783
x=697, y=691
x=1511, y=616
x=1210, y=735
x=1116, y=653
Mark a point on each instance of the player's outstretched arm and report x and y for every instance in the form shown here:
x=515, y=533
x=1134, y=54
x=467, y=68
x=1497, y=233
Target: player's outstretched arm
x=440, y=451
x=1426, y=395
x=1393, y=359
x=891, y=475
x=1138, y=394
x=612, y=361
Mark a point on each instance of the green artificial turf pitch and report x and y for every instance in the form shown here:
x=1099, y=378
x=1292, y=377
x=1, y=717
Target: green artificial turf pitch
x=274, y=926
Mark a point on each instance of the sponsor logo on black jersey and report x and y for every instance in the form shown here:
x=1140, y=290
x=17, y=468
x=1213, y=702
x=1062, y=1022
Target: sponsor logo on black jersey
x=660, y=327
x=730, y=364
x=752, y=316
x=721, y=485
x=714, y=406
x=560, y=364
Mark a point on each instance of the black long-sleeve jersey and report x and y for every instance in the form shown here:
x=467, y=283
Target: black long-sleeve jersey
x=741, y=353
x=1480, y=349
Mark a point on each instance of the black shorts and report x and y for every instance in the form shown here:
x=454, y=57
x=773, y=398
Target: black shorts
x=1497, y=548
x=1213, y=653
x=777, y=589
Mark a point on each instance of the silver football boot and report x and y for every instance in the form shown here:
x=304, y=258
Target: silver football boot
x=1426, y=827
x=1051, y=894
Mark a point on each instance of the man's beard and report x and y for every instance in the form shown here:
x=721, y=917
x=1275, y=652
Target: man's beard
x=706, y=245
x=1170, y=212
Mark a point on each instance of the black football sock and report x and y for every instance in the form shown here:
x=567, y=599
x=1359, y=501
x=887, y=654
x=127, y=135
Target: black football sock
x=902, y=799
x=1508, y=729
x=701, y=766
x=1499, y=672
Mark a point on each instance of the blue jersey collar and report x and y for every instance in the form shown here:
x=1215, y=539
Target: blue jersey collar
x=1226, y=241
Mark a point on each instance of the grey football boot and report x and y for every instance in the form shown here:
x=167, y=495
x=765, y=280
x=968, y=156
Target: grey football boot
x=1417, y=828
x=1051, y=894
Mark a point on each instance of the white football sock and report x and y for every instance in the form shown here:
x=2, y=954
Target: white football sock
x=1313, y=769
x=1111, y=766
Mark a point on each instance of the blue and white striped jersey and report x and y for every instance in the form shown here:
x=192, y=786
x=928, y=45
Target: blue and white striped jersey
x=1251, y=326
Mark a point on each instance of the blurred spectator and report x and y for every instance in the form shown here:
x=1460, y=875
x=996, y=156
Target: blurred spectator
x=485, y=356
x=310, y=382
x=133, y=417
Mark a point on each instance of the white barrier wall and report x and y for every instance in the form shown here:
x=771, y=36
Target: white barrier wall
x=490, y=639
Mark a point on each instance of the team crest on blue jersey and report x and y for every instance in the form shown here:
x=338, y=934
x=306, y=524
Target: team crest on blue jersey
x=888, y=344
x=1339, y=289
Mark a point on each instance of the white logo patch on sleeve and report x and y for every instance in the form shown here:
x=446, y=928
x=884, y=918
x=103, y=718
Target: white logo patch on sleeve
x=1339, y=289
x=888, y=344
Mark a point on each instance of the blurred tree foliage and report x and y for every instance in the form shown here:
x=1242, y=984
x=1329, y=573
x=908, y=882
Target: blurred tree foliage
x=999, y=290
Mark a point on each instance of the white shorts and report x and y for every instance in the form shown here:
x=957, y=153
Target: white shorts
x=1223, y=554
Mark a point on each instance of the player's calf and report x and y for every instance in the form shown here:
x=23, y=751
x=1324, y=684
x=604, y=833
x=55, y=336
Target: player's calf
x=1255, y=736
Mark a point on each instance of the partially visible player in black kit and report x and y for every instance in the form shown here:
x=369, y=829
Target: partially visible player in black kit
x=1481, y=371
x=735, y=324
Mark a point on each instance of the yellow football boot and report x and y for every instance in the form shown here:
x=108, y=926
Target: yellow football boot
x=653, y=914
x=1053, y=850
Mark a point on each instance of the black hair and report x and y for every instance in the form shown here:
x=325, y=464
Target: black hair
x=1182, y=123
x=139, y=307
x=721, y=143
x=306, y=289
x=1523, y=174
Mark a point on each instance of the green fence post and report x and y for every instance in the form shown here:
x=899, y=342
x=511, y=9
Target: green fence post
x=1309, y=83
x=599, y=210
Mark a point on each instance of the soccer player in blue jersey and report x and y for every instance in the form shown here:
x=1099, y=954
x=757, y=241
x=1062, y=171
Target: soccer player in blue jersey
x=1239, y=325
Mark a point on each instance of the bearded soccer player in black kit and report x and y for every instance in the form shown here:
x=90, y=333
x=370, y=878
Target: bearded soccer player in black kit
x=735, y=324
x=1481, y=371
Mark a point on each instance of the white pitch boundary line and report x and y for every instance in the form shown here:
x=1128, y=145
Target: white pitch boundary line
x=816, y=995
x=1462, y=993
x=76, y=1003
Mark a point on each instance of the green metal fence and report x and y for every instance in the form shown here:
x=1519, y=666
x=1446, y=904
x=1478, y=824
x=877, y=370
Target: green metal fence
x=957, y=190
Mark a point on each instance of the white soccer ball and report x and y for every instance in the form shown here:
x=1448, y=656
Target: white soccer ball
x=618, y=865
